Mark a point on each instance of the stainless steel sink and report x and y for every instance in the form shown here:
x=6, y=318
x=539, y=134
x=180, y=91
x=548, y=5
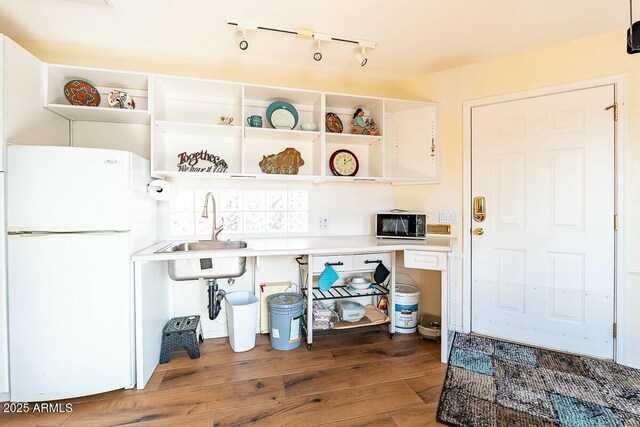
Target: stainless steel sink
x=200, y=267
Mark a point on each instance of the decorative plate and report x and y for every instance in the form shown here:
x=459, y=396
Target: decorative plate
x=79, y=92
x=282, y=115
x=333, y=123
x=120, y=99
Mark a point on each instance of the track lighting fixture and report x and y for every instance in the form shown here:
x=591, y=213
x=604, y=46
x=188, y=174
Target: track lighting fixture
x=244, y=44
x=361, y=58
x=318, y=55
x=243, y=28
x=305, y=34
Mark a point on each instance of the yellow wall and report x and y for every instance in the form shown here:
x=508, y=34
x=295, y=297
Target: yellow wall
x=123, y=60
x=597, y=56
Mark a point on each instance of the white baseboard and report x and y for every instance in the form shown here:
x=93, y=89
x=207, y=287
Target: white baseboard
x=633, y=363
x=5, y=397
x=213, y=334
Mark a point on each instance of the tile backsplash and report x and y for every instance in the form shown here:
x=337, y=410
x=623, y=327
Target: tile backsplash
x=243, y=211
x=272, y=209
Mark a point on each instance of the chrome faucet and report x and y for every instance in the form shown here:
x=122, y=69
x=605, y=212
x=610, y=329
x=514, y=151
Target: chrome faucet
x=205, y=214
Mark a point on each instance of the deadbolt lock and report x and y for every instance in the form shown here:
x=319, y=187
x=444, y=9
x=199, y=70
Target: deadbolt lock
x=478, y=231
x=479, y=209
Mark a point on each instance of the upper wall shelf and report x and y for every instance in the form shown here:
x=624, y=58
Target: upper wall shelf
x=283, y=135
x=136, y=84
x=192, y=115
x=200, y=129
x=350, y=138
x=100, y=114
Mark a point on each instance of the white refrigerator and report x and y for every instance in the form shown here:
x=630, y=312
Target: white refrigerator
x=4, y=335
x=74, y=217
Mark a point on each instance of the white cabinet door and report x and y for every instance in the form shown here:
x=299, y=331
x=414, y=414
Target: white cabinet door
x=543, y=271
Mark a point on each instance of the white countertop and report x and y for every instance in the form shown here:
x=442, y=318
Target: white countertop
x=304, y=246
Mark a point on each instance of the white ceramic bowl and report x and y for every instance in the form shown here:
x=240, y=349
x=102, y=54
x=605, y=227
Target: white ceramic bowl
x=309, y=127
x=359, y=283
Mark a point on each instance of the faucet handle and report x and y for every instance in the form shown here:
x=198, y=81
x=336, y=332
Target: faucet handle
x=218, y=230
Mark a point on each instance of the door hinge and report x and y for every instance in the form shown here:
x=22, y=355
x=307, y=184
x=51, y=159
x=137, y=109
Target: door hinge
x=615, y=330
x=615, y=111
x=615, y=222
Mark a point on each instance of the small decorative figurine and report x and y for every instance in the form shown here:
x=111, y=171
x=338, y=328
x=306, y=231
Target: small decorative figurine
x=225, y=120
x=362, y=126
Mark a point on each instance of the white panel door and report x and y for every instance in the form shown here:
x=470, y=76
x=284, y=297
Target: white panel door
x=543, y=271
x=70, y=315
x=67, y=189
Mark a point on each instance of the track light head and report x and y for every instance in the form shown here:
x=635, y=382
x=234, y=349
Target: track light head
x=317, y=56
x=361, y=58
x=243, y=28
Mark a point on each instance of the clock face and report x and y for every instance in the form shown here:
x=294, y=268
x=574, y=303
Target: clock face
x=344, y=163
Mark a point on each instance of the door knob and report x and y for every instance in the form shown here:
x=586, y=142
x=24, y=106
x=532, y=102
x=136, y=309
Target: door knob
x=478, y=231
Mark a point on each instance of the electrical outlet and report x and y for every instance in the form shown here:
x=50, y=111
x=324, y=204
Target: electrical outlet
x=323, y=223
x=448, y=217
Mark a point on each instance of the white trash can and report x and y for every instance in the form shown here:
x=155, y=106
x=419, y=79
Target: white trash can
x=242, y=319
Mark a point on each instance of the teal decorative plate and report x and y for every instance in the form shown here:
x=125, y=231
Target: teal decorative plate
x=282, y=115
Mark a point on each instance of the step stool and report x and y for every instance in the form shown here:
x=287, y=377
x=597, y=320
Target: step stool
x=181, y=332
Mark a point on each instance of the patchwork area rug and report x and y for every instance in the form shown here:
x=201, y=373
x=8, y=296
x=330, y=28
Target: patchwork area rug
x=497, y=384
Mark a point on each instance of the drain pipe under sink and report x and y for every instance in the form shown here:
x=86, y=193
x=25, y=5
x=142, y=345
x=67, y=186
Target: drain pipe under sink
x=215, y=298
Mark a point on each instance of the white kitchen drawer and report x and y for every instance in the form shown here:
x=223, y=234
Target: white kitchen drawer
x=360, y=261
x=338, y=262
x=425, y=260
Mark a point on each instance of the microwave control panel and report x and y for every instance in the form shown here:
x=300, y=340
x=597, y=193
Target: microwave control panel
x=421, y=226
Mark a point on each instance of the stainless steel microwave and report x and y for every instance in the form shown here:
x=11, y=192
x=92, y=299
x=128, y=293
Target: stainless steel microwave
x=399, y=224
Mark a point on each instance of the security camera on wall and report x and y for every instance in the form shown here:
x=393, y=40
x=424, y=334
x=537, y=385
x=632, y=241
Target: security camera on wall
x=633, y=33
x=633, y=39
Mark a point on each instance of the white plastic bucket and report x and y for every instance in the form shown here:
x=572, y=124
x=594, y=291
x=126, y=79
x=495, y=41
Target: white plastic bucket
x=405, y=311
x=242, y=318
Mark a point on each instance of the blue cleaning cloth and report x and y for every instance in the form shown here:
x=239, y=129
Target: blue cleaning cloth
x=327, y=278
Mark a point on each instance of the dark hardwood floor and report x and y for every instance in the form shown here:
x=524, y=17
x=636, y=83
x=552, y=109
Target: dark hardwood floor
x=349, y=378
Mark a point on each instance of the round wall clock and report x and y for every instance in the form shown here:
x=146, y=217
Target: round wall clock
x=344, y=163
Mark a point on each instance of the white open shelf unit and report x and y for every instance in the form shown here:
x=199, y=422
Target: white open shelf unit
x=185, y=113
x=136, y=84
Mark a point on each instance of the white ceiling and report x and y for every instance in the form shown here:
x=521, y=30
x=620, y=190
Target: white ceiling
x=415, y=36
